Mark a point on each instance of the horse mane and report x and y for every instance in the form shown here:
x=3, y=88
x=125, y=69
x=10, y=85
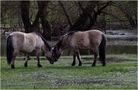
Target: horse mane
x=61, y=39
x=44, y=40
x=69, y=33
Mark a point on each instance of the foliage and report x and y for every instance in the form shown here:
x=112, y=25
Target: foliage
x=129, y=10
x=118, y=10
x=10, y=13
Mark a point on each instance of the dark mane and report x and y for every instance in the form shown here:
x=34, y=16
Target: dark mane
x=61, y=39
x=59, y=44
x=67, y=34
x=70, y=33
x=44, y=40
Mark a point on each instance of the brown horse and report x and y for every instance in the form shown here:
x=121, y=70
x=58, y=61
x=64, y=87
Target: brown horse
x=94, y=40
x=27, y=43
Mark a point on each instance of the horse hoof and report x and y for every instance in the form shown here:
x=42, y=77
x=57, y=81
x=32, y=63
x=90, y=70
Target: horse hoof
x=93, y=65
x=25, y=65
x=73, y=64
x=80, y=64
x=39, y=65
x=12, y=67
x=104, y=64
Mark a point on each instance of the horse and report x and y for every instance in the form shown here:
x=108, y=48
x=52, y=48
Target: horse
x=26, y=43
x=93, y=40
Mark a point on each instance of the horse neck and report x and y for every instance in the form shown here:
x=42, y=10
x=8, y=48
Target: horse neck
x=65, y=42
x=47, y=51
x=46, y=48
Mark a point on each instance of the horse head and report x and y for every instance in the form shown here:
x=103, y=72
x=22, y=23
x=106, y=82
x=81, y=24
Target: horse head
x=56, y=52
x=47, y=50
x=49, y=56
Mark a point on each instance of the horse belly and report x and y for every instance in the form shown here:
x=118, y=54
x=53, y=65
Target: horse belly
x=28, y=49
x=82, y=43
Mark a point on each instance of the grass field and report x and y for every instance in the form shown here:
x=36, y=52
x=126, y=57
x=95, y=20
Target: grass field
x=120, y=73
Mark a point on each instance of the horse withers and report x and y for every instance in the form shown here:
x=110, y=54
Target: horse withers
x=27, y=43
x=93, y=40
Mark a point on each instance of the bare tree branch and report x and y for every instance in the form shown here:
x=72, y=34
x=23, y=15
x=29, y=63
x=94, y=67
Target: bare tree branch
x=42, y=13
x=103, y=7
x=65, y=12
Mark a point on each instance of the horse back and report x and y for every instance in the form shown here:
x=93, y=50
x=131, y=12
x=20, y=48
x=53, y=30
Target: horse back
x=26, y=42
x=86, y=39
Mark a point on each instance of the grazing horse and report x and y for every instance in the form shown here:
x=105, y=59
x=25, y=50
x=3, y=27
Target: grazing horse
x=27, y=43
x=94, y=40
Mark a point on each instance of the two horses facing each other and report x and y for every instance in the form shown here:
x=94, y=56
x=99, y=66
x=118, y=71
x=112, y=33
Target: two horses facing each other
x=93, y=40
x=27, y=43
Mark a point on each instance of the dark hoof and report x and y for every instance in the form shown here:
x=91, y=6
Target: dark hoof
x=93, y=65
x=25, y=65
x=12, y=67
x=39, y=65
x=104, y=64
x=73, y=64
x=51, y=62
x=80, y=64
x=29, y=58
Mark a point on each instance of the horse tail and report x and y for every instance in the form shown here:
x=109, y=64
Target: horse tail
x=10, y=49
x=102, y=47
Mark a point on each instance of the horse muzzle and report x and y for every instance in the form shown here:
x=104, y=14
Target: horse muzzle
x=51, y=62
x=55, y=60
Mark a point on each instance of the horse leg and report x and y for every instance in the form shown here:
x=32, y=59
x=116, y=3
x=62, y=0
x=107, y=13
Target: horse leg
x=74, y=59
x=95, y=57
x=38, y=62
x=26, y=61
x=24, y=57
x=78, y=56
x=38, y=59
x=28, y=57
x=13, y=61
x=102, y=57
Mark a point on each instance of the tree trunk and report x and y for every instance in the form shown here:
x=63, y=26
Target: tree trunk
x=42, y=5
x=89, y=16
x=25, y=15
x=65, y=12
x=132, y=22
x=81, y=22
x=41, y=15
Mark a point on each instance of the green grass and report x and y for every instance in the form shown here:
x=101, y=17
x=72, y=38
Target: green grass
x=120, y=73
